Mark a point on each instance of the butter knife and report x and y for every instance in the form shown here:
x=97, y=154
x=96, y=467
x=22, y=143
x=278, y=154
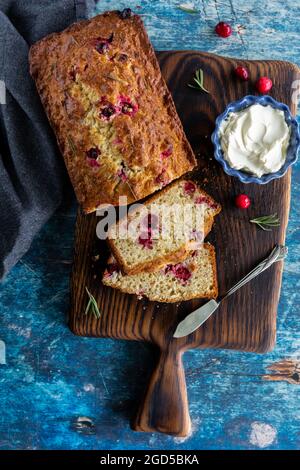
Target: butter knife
x=199, y=316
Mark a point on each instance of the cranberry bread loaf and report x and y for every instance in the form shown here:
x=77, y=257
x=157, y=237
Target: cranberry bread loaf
x=165, y=229
x=113, y=116
x=196, y=277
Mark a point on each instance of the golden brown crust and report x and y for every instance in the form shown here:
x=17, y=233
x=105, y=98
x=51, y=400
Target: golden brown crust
x=148, y=267
x=212, y=250
x=175, y=257
x=214, y=294
x=92, y=69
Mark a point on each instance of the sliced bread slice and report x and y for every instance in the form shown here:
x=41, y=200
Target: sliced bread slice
x=196, y=277
x=165, y=229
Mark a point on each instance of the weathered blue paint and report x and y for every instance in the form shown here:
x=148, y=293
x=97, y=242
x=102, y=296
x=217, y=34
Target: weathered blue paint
x=52, y=378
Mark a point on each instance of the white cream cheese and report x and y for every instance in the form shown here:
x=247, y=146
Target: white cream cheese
x=255, y=139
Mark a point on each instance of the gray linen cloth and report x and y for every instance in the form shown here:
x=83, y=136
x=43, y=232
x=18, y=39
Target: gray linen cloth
x=32, y=172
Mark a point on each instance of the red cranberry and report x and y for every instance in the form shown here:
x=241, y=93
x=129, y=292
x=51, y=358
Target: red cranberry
x=107, y=112
x=242, y=73
x=102, y=44
x=126, y=13
x=189, y=188
x=223, y=29
x=264, y=84
x=182, y=273
x=122, y=175
x=201, y=200
x=126, y=106
x=242, y=201
x=102, y=47
x=166, y=153
x=179, y=271
x=206, y=200
x=93, y=153
x=122, y=172
x=93, y=163
x=107, y=109
x=145, y=240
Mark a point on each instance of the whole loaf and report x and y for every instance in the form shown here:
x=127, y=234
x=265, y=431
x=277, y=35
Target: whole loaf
x=113, y=116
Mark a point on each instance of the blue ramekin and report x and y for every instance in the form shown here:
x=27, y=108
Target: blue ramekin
x=292, y=150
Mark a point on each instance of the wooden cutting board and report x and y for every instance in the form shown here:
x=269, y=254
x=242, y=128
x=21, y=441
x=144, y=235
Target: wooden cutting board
x=247, y=320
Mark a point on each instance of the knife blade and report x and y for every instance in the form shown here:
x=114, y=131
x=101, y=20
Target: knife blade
x=196, y=319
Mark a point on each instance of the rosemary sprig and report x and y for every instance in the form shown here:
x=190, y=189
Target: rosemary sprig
x=188, y=8
x=92, y=305
x=198, y=79
x=266, y=221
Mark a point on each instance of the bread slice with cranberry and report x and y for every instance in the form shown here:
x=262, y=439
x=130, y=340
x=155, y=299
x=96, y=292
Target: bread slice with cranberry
x=165, y=229
x=196, y=277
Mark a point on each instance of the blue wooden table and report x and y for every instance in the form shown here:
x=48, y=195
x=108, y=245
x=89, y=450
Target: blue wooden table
x=58, y=391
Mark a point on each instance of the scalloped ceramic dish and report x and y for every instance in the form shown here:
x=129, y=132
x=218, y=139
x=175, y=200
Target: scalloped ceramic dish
x=292, y=150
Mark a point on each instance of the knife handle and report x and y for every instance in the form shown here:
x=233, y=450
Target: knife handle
x=165, y=405
x=278, y=253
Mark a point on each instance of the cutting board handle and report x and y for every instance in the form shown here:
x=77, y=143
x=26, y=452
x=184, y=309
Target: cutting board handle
x=165, y=405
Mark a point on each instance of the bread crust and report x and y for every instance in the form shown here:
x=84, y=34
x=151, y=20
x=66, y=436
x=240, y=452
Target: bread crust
x=73, y=78
x=148, y=267
x=179, y=298
x=174, y=257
